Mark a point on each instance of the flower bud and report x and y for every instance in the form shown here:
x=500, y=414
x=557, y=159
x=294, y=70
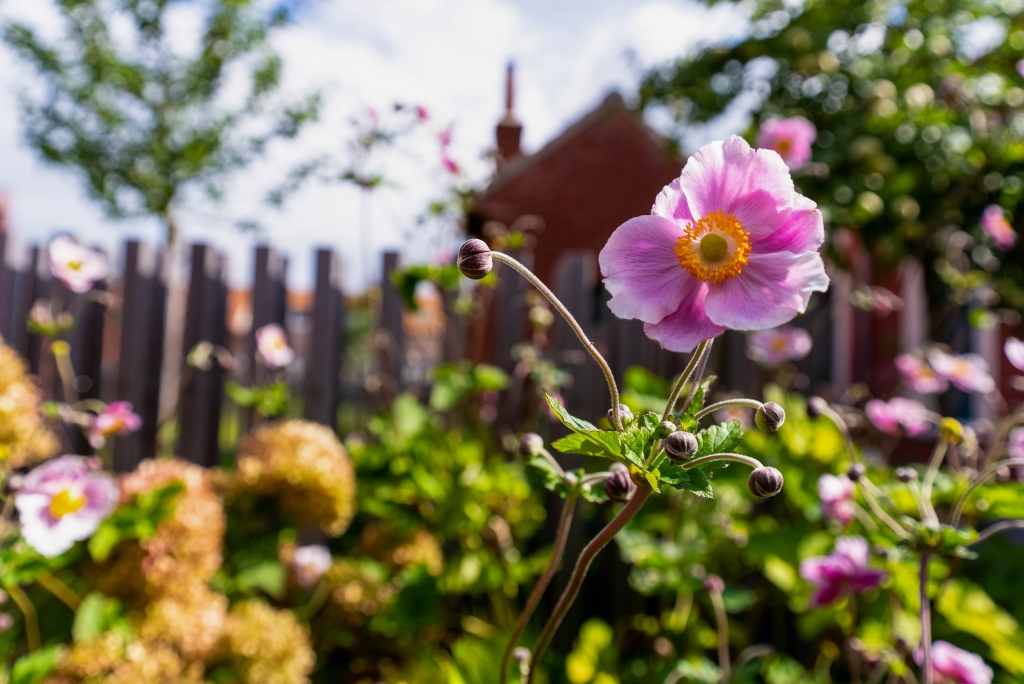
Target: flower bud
x=680, y=445
x=770, y=417
x=951, y=430
x=666, y=428
x=765, y=482
x=624, y=414
x=571, y=479
x=530, y=445
x=619, y=485
x=856, y=471
x=816, y=406
x=906, y=474
x=713, y=584
x=521, y=654
x=475, y=259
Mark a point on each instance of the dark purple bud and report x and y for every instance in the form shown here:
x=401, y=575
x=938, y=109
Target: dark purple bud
x=530, y=445
x=770, y=417
x=816, y=406
x=625, y=415
x=619, y=485
x=714, y=584
x=856, y=472
x=765, y=482
x=475, y=259
x=680, y=445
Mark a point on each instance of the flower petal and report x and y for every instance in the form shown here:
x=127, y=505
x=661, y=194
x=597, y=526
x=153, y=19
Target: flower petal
x=641, y=271
x=771, y=290
x=802, y=231
x=671, y=204
x=688, y=326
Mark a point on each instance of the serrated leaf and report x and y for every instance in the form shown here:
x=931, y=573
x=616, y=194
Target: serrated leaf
x=697, y=403
x=567, y=419
x=652, y=479
x=719, y=439
x=694, y=480
x=602, y=443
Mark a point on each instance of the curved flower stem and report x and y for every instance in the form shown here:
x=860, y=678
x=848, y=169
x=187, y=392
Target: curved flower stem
x=699, y=373
x=643, y=490
x=843, y=428
x=993, y=530
x=746, y=403
x=929, y=477
x=734, y=458
x=1003, y=429
x=551, y=459
x=923, y=509
x=869, y=496
x=958, y=508
x=613, y=389
x=673, y=397
x=561, y=537
x=28, y=609
x=722, y=625
x=926, y=622
x=63, y=592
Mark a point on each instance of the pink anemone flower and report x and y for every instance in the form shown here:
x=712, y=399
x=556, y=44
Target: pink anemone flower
x=1014, y=350
x=919, y=376
x=774, y=347
x=1015, y=443
x=272, y=346
x=836, y=494
x=117, y=419
x=310, y=564
x=968, y=372
x=63, y=501
x=846, y=570
x=995, y=225
x=890, y=416
x=952, y=665
x=791, y=138
x=76, y=266
x=729, y=244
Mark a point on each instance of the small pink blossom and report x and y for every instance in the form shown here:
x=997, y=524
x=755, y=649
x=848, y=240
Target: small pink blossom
x=836, y=494
x=63, y=501
x=310, y=563
x=968, y=372
x=846, y=570
x=774, y=347
x=117, y=419
x=6, y=622
x=450, y=165
x=919, y=376
x=374, y=117
x=995, y=225
x=445, y=136
x=76, y=266
x=272, y=346
x=952, y=665
x=890, y=416
x=1014, y=349
x=730, y=244
x=791, y=138
x=422, y=114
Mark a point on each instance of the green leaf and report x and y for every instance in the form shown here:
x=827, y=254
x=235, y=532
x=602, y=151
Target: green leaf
x=137, y=519
x=552, y=478
x=34, y=667
x=266, y=576
x=95, y=615
x=719, y=439
x=602, y=443
x=635, y=441
x=567, y=419
x=697, y=403
x=693, y=479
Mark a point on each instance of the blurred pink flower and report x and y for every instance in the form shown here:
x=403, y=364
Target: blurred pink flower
x=445, y=136
x=6, y=622
x=776, y=346
x=63, y=501
x=729, y=244
x=117, y=419
x=76, y=266
x=968, y=372
x=272, y=346
x=995, y=225
x=952, y=665
x=450, y=165
x=422, y=114
x=310, y=563
x=890, y=416
x=374, y=117
x=846, y=570
x=1015, y=443
x=836, y=494
x=919, y=376
x=791, y=138
x=1014, y=349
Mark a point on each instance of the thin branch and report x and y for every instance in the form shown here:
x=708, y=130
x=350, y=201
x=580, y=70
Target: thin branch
x=734, y=458
x=745, y=403
x=722, y=627
x=995, y=529
x=28, y=609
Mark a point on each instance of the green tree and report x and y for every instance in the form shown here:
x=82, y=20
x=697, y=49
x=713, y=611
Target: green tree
x=920, y=118
x=143, y=122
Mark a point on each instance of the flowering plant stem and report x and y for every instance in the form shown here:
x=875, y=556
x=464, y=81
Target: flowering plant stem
x=63, y=592
x=958, y=508
x=561, y=537
x=643, y=490
x=613, y=389
x=28, y=609
x=748, y=403
x=691, y=365
x=926, y=622
x=722, y=624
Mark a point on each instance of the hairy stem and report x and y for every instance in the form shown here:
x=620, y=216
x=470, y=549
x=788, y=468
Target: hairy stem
x=695, y=358
x=699, y=373
x=929, y=477
x=746, y=403
x=561, y=537
x=958, y=508
x=926, y=622
x=643, y=490
x=722, y=625
x=867, y=488
x=613, y=389
x=734, y=458
x=28, y=609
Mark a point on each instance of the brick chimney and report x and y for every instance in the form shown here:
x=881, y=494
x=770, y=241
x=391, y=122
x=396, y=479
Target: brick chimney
x=509, y=130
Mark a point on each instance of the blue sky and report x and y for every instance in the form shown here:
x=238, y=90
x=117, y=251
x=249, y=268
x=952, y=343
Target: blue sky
x=448, y=55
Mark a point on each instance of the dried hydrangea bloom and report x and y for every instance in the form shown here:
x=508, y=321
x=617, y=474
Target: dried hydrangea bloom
x=774, y=347
x=968, y=372
x=306, y=467
x=791, y=138
x=890, y=416
x=187, y=548
x=113, y=659
x=382, y=542
x=76, y=266
x=730, y=244
x=358, y=591
x=267, y=646
x=192, y=621
x=919, y=376
x=24, y=439
x=846, y=570
x=995, y=225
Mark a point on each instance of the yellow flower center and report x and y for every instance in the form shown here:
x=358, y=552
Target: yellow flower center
x=783, y=145
x=67, y=501
x=75, y=265
x=714, y=248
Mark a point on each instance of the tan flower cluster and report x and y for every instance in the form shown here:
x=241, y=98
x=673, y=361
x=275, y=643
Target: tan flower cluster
x=384, y=543
x=357, y=591
x=24, y=438
x=111, y=659
x=304, y=465
x=267, y=646
x=191, y=622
